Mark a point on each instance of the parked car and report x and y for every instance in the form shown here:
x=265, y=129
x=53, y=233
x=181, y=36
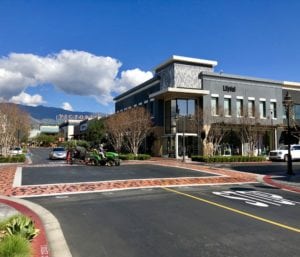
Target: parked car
x=15, y=150
x=58, y=153
x=281, y=154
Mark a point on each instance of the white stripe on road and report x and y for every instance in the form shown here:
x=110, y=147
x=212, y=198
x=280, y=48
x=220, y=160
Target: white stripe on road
x=18, y=177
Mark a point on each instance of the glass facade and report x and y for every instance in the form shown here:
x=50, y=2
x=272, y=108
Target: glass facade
x=179, y=115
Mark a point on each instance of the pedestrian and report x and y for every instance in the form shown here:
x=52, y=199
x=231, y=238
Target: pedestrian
x=101, y=151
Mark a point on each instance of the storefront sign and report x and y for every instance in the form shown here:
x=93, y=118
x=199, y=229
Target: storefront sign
x=228, y=89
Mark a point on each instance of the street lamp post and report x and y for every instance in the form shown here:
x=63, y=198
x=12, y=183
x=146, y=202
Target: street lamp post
x=288, y=103
x=183, y=140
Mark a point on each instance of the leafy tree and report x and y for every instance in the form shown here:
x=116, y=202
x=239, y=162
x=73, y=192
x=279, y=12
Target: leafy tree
x=95, y=131
x=46, y=140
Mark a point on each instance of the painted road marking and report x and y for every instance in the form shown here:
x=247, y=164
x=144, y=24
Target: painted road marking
x=294, y=229
x=18, y=177
x=256, y=198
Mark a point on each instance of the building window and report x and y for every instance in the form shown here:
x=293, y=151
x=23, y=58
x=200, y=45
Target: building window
x=296, y=111
x=273, y=110
x=251, y=108
x=214, y=106
x=239, y=107
x=175, y=111
x=227, y=106
x=262, y=109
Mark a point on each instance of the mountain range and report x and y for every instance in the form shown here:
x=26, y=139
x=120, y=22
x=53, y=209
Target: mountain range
x=52, y=115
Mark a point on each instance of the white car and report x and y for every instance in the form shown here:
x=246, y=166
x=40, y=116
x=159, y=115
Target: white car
x=16, y=150
x=281, y=154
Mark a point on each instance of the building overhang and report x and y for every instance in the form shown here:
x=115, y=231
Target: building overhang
x=172, y=92
x=187, y=60
x=291, y=85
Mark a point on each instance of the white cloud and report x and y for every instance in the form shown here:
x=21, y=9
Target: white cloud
x=73, y=72
x=26, y=99
x=132, y=77
x=67, y=106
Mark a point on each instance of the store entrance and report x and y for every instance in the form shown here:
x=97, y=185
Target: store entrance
x=191, y=145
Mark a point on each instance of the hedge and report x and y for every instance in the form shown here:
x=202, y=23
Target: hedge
x=131, y=156
x=234, y=158
x=13, y=158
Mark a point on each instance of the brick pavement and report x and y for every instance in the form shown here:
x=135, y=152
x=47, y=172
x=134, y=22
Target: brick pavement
x=224, y=176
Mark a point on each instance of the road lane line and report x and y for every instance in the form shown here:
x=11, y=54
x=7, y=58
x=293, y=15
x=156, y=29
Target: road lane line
x=18, y=177
x=234, y=210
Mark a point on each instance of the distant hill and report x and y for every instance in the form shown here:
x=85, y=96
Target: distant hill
x=49, y=115
x=42, y=112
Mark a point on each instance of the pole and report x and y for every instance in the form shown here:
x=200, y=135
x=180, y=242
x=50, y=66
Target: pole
x=289, y=163
x=183, y=139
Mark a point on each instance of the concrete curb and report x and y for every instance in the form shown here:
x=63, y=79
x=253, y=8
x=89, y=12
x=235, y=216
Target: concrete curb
x=51, y=234
x=268, y=180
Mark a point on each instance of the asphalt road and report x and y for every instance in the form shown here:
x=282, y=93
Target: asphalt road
x=75, y=174
x=271, y=168
x=188, y=221
x=217, y=221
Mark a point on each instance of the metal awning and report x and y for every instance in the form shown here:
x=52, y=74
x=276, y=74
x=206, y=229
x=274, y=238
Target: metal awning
x=178, y=92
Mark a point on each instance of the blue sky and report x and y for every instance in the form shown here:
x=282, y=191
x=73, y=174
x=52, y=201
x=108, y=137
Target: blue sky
x=81, y=54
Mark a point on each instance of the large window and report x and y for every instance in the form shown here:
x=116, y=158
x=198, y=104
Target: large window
x=239, y=108
x=251, y=108
x=262, y=109
x=175, y=111
x=214, y=106
x=296, y=111
x=227, y=106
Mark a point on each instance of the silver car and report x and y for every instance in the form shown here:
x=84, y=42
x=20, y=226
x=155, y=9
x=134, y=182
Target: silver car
x=58, y=153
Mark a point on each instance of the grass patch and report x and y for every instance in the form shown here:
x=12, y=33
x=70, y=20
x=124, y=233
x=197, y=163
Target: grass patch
x=15, y=246
x=16, y=232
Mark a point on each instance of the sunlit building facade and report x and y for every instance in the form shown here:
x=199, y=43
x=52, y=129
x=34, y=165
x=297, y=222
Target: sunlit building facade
x=193, y=107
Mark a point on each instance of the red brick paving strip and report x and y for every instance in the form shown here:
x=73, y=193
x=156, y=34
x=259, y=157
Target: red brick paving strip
x=225, y=176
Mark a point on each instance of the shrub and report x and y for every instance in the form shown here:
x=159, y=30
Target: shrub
x=131, y=156
x=15, y=246
x=14, y=158
x=23, y=226
x=234, y=158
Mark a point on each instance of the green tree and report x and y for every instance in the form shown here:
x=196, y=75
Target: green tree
x=46, y=140
x=95, y=131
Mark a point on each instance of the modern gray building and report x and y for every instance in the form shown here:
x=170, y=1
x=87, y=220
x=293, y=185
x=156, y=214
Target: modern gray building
x=197, y=111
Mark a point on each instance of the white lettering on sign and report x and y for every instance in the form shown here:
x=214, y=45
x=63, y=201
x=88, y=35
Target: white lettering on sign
x=256, y=198
x=44, y=251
